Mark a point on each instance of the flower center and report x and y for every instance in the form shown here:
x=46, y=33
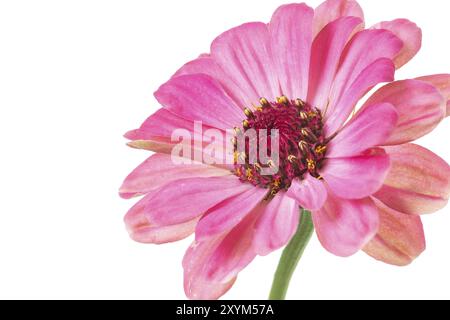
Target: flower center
x=301, y=148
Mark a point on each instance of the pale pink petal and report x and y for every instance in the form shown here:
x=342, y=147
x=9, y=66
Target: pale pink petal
x=196, y=284
x=346, y=226
x=277, y=223
x=357, y=177
x=442, y=83
x=418, y=182
x=205, y=64
x=184, y=200
x=156, y=144
x=229, y=213
x=419, y=105
x=244, y=55
x=325, y=56
x=142, y=230
x=369, y=128
x=409, y=33
x=163, y=123
x=332, y=10
x=159, y=170
x=400, y=238
x=199, y=97
x=309, y=193
x=291, y=39
x=234, y=252
x=366, y=62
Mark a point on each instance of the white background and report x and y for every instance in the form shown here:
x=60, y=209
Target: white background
x=74, y=76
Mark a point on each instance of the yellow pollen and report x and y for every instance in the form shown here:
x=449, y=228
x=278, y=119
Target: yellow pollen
x=249, y=174
x=321, y=149
x=292, y=158
x=311, y=164
x=239, y=172
x=259, y=109
x=277, y=183
x=283, y=100
x=246, y=124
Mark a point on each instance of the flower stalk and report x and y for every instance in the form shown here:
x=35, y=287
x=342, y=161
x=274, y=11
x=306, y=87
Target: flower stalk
x=291, y=257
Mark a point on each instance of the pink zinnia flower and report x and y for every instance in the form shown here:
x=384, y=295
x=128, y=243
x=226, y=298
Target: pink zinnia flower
x=303, y=74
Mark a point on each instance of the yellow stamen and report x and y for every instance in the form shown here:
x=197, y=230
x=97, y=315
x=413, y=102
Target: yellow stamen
x=300, y=103
x=248, y=112
x=246, y=124
x=283, y=100
x=303, y=145
x=292, y=158
x=303, y=116
x=264, y=102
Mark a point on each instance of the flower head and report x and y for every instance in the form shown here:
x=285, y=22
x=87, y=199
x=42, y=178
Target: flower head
x=300, y=76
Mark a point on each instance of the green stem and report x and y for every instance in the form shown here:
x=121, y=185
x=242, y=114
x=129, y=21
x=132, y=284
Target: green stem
x=291, y=256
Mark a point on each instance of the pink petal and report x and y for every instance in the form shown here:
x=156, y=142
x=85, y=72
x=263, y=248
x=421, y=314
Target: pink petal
x=162, y=124
x=197, y=154
x=142, y=230
x=369, y=128
x=184, y=200
x=381, y=70
x=357, y=177
x=418, y=182
x=199, y=97
x=420, y=107
x=442, y=83
x=409, y=33
x=276, y=225
x=325, y=56
x=365, y=63
x=233, y=253
x=229, y=213
x=346, y=226
x=400, y=238
x=291, y=39
x=332, y=10
x=196, y=284
x=310, y=193
x=244, y=55
x=159, y=170
x=206, y=65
